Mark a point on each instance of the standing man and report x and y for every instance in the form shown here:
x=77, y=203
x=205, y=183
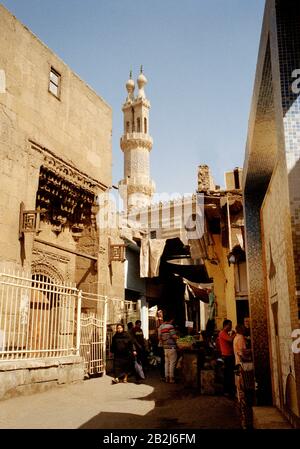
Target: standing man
x=226, y=337
x=167, y=336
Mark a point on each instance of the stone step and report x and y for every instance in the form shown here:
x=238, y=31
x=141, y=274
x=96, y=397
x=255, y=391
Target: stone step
x=269, y=418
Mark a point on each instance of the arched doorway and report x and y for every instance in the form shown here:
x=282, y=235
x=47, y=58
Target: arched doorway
x=45, y=310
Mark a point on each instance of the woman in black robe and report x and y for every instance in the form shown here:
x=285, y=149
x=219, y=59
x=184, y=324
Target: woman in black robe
x=123, y=350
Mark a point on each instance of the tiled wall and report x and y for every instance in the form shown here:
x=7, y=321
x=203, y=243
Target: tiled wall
x=261, y=164
x=273, y=148
x=257, y=299
x=288, y=31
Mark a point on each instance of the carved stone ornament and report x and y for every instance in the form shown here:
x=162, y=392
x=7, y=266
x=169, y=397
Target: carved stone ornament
x=44, y=256
x=135, y=188
x=136, y=140
x=116, y=253
x=66, y=171
x=48, y=270
x=102, y=250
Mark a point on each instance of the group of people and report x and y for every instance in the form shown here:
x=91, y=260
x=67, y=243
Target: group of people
x=129, y=349
x=235, y=348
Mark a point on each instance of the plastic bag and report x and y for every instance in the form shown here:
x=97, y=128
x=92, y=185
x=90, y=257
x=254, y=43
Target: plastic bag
x=179, y=363
x=139, y=369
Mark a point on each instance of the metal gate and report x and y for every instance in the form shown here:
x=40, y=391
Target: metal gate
x=41, y=317
x=93, y=332
x=37, y=316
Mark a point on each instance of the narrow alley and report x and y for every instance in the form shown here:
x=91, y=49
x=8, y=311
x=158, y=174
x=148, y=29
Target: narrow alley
x=97, y=404
x=149, y=219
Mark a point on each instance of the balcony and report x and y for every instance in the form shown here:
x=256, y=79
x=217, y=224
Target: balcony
x=134, y=140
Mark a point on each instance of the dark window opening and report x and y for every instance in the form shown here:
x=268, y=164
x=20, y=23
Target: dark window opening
x=236, y=178
x=54, y=82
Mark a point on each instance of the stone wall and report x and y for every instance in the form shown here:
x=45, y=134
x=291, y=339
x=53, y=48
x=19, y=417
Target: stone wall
x=54, y=144
x=75, y=128
x=205, y=180
x=276, y=231
x=32, y=376
x=272, y=168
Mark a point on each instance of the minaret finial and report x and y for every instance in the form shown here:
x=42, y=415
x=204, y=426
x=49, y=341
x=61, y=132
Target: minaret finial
x=130, y=88
x=141, y=81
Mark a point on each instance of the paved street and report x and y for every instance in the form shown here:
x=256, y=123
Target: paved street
x=97, y=404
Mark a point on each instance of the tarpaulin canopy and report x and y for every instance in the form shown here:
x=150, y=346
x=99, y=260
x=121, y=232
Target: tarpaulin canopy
x=199, y=290
x=193, y=270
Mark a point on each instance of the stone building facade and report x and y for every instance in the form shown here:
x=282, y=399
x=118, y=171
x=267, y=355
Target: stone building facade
x=271, y=195
x=226, y=261
x=55, y=151
x=175, y=249
x=56, y=159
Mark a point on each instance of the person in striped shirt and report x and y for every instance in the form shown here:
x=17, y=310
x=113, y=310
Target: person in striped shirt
x=167, y=336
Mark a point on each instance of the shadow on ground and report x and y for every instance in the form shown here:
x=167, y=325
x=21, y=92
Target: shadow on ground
x=175, y=407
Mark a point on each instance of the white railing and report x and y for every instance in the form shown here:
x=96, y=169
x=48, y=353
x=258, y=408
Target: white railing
x=93, y=332
x=42, y=318
x=37, y=317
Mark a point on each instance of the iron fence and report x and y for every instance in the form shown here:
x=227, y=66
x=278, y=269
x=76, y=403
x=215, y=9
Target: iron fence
x=37, y=317
x=40, y=317
x=93, y=332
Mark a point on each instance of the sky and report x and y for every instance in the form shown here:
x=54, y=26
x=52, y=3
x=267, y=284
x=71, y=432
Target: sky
x=199, y=57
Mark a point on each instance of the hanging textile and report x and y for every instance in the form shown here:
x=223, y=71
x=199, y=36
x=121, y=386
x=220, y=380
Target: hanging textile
x=144, y=258
x=150, y=254
x=156, y=249
x=186, y=293
x=240, y=239
x=197, y=290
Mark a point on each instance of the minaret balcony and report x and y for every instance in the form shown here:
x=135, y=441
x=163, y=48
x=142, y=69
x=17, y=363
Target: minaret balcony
x=134, y=140
x=132, y=185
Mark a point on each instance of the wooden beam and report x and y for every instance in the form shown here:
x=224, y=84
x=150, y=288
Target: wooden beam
x=86, y=256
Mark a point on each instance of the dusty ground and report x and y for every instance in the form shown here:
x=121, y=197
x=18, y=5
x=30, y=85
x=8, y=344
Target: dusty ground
x=97, y=404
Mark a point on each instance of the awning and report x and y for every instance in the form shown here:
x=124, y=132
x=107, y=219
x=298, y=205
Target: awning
x=199, y=290
x=190, y=269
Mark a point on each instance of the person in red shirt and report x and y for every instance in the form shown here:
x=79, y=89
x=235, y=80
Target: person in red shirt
x=226, y=337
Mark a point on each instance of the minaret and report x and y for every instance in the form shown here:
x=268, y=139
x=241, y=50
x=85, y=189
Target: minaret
x=136, y=188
